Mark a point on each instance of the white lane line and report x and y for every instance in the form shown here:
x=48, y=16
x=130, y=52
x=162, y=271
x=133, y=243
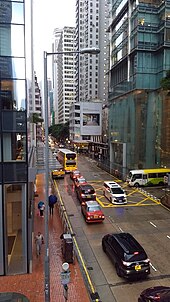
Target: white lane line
x=168, y=237
x=153, y=267
x=120, y=229
x=152, y=224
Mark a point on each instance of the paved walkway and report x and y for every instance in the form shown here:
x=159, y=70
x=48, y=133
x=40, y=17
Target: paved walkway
x=32, y=285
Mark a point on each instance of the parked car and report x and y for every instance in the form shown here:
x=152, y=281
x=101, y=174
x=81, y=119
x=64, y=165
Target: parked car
x=92, y=211
x=114, y=192
x=85, y=192
x=79, y=181
x=128, y=256
x=74, y=174
x=157, y=293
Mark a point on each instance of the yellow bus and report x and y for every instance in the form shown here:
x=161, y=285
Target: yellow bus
x=147, y=177
x=68, y=159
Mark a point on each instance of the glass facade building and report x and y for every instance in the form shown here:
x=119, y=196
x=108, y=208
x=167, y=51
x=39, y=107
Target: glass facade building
x=13, y=140
x=139, y=111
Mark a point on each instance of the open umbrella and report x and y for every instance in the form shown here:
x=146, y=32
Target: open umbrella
x=52, y=199
x=40, y=204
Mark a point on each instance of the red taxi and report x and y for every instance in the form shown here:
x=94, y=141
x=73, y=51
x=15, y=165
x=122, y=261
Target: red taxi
x=79, y=181
x=74, y=174
x=91, y=211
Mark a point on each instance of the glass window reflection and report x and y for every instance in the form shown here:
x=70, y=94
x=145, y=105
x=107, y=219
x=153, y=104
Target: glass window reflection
x=12, y=68
x=17, y=13
x=16, y=171
x=13, y=95
x=14, y=121
x=12, y=40
x=14, y=147
x=11, y=12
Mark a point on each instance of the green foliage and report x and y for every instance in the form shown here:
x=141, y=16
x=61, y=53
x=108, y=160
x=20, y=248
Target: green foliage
x=59, y=131
x=165, y=82
x=35, y=119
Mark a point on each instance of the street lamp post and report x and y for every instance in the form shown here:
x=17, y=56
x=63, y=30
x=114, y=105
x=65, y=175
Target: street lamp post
x=92, y=51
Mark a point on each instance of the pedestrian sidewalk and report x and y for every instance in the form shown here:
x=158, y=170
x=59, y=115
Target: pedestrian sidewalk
x=32, y=285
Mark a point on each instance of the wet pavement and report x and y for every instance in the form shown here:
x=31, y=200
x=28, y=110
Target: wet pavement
x=32, y=285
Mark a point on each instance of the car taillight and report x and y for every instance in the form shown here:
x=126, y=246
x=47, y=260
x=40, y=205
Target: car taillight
x=155, y=298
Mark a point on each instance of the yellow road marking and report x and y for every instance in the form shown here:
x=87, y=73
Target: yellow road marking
x=138, y=203
x=75, y=242
x=132, y=192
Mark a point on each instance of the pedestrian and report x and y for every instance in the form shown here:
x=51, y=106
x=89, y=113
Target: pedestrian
x=41, y=207
x=52, y=199
x=39, y=240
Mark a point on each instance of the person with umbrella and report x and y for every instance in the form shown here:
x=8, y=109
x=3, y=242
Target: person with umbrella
x=52, y=199
x=41, y=207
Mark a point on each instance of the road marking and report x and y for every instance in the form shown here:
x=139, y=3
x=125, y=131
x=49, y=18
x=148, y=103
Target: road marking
x=152, y=224
x=168, y=237
x=138, y=203
x=153, y=267
x=120, y=228
x=75, y=242
x=132, y=192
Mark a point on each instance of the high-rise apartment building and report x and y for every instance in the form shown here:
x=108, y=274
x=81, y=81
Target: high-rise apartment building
x=56, y=37
x=91, y=31
x=15, y=189
x=139, y=110
x=64, y=75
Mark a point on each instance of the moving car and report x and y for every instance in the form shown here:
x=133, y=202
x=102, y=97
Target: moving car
x=57, y=173
x=79, y=181
x=91, y=211
x=85, y=192
x=155, y=294
x=114, y=192
x=128, y=256
x=74, y=174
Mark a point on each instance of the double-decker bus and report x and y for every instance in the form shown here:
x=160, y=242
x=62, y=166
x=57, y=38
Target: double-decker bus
x=147, y=177
x=68, y=159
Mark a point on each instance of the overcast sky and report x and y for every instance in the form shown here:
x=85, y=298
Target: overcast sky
x=49, y=14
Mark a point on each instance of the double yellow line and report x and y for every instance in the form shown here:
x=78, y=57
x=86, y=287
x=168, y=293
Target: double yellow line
x=75, y=243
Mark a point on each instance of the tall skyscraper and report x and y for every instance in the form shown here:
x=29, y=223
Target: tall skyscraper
x=139, y=109
x=64, y=73
x=91, y=31
x=17, y=155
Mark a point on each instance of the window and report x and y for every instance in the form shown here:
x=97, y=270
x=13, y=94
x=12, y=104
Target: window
x=137, y=176
x=152, y=175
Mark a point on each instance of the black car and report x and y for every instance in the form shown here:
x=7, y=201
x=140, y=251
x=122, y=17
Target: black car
x=157, y=293
x=85, y=192
x=128, y=256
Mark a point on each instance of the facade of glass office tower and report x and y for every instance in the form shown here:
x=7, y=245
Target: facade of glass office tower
x=139, y=111
x=13, y=141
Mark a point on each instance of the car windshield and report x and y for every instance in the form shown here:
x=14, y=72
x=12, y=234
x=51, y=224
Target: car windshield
x=81, y=180
x=88, y=191
x=76, y=172
x=136, y=256
x=93, y=209
x=117, y=191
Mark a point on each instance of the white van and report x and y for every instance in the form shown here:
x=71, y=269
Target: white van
x=114, y=192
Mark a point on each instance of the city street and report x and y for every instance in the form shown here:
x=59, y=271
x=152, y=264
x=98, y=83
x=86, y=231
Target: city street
x=143, y=217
